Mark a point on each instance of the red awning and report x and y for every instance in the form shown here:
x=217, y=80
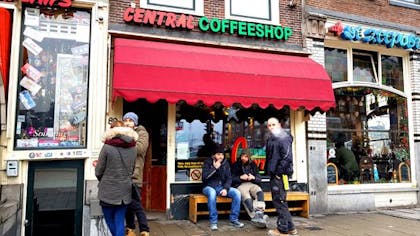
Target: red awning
x=156, y=70
x=5, y=37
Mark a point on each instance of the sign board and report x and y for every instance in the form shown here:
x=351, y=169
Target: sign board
x=188, y=165
x=332, y=173
x=404, y=173
x=196, y=174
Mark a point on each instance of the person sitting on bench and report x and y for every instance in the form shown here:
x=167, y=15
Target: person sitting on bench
x=217, y=181
x=246, y=178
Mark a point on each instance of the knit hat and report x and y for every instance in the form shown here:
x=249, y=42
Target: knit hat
x=247, y=152
x=218, y=149
x=132, y=116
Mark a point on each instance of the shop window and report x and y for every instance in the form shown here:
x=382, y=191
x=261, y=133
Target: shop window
x=368, y=135
x=259, y=11
x=199, y=128
x=336, y=64
x=364, y=66
x=392, y=72
x=53, y=83
x=194, y=7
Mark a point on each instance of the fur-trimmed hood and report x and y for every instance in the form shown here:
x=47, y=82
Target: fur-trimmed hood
x=119, y=132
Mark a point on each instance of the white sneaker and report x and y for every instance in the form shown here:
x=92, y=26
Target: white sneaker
x=213, y=227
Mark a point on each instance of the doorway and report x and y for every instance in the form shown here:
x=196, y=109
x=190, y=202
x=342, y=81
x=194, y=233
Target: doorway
x=55, y=198
x=154, y=117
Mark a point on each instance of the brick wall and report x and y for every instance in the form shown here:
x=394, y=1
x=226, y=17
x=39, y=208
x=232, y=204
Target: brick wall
x=376, y=9
x=291, y=17
x=317, y=125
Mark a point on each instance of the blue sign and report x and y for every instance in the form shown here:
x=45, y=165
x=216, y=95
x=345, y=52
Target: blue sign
x=376, y=36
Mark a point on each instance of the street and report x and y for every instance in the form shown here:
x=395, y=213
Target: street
x=382, y=222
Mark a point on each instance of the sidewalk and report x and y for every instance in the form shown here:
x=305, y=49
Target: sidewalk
x=393, y=222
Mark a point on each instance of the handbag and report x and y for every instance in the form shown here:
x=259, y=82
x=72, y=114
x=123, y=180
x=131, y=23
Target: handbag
x=135, y=194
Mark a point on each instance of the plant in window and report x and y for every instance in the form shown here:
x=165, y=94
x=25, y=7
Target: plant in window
x=401, y=153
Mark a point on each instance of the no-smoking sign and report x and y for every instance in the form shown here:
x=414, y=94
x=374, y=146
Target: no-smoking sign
x=195, y=174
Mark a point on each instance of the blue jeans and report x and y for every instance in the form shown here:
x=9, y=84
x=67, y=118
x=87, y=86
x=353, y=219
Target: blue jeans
x=212, y=193
x=114, y=218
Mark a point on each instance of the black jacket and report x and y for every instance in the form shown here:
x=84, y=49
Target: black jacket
x=279, y=155
x=214, y=177
x=239, y=169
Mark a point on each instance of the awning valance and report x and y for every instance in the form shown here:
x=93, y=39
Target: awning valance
x=157, y=70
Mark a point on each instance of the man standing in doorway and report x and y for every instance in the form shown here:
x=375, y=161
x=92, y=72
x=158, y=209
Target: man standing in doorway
x=135, y=208
x=280, y=165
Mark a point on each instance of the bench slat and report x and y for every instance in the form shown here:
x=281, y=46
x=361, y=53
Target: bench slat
x=301, y=199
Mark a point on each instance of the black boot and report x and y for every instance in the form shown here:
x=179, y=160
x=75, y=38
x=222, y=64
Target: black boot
x=260, y=196
x=249, y=207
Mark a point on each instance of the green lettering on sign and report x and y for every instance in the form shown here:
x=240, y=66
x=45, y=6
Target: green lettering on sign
x=242, y=28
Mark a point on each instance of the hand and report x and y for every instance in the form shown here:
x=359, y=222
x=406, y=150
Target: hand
x=223, y=193
x=251, y=177
x=244, y=177
x=217, y=164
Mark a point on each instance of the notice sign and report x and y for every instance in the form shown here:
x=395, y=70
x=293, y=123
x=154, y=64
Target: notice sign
x=195, y=174
x=332, y=173
x=188, y=165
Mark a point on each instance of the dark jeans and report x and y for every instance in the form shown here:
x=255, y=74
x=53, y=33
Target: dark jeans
x=278, y=194
x=114, y=218
x=135, y=208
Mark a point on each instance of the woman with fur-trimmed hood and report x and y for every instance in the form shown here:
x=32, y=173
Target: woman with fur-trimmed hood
x=113, y=170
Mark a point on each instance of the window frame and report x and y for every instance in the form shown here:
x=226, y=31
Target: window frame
x=404, y=54
x=197, y=7
x=83, y=137
x=405, y=3
x=372, y=62
x=274, y=14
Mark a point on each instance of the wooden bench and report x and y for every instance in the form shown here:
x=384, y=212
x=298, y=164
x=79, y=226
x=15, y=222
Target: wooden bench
x=297, y=201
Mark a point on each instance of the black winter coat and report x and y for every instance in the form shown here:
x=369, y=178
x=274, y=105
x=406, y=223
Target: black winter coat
x=279, y=155
x=214, y=177
x=239, y=169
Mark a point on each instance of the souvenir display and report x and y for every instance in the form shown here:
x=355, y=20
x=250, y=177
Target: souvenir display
x=52, y=107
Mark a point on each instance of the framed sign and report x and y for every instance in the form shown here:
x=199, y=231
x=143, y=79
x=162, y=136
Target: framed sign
x=404, y=173
x=332, y=174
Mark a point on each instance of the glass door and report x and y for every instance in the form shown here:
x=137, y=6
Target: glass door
x=55, y=198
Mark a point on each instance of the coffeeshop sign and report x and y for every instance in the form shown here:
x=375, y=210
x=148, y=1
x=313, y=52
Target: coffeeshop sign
x=214, y=25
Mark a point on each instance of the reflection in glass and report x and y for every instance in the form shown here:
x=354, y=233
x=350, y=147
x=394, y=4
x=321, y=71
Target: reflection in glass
x=199, y=128
x=336, y=64
x=392, y=72
x=364, y=67
x=373, y=124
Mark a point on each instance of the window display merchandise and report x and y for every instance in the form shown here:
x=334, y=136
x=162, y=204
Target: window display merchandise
x=53, y=84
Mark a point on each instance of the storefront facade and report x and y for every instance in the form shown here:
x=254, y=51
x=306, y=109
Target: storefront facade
x=207, y=72
x=53, y=123
x=373, y=63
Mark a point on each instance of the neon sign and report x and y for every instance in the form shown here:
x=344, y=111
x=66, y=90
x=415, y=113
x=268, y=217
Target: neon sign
x=150, y=17
x=242, y=28
x=376, y=36
x=50, y=3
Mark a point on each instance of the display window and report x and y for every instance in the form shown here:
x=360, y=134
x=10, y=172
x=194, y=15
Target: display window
x=367, y=132
x=53, y=83
x=200, y=128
